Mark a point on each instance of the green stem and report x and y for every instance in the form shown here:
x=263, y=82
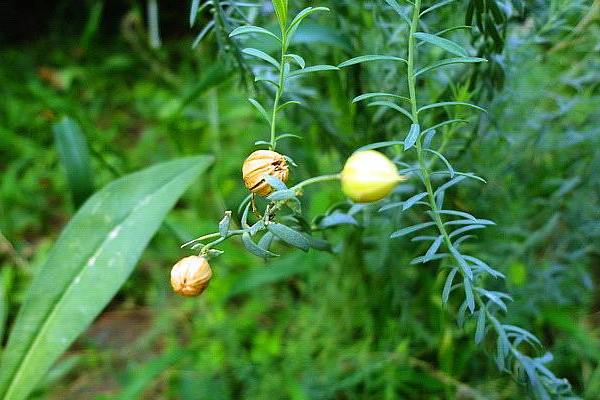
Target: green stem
x=316, y=179
x=424, y=166
x=279, y=88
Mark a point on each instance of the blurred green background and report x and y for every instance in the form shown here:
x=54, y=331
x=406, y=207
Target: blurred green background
x=358, y=324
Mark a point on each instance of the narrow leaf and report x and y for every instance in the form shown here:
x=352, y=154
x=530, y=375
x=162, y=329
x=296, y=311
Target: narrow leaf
x=303, y=14
x=412, y=200
x=194, y=11
x=442, y=43
x=410, y=229
x=441, y=157
x=243, y=30
x=465, y=229
x=224, y=224
x=203, y=33
x=261, y=110
x=392, y=106
x=314, y=68
x=469, y=294
x=337, y=218
x=480, y=329
x=435, y=6
x=254, y=248
x=448, y=285
x=93, y=257
x=262, y=55
x=379, y=145
x=275, y=182
x=433, y=248
x=369, y=57
x=74, y=155
x=366, y=96
x=396, y=7
x=297, y=59
x=448, y=61
x=283, y=106
x=413, y=135
x=281, y=195
x=450, y=103
x=289, y=235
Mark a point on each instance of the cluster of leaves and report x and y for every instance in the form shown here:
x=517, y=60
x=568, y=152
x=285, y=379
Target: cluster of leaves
x=291, y=229
x=482, y=304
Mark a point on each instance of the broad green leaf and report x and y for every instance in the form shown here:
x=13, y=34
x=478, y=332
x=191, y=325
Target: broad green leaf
x=391, y=105
x=260, y=109
x=410, y=229
x=243, y=30
x=442, y=43
x=448, y=61
x=435, y=6
x=396, y=7
x=262, y=55
x=413, y=135
x=450, y=103
x=297, y=59
x=92, y=258
x=366, y=96
x=303, y=14
x=289, y=235
x=314, y=68
x=73, y=151
x=369, y=57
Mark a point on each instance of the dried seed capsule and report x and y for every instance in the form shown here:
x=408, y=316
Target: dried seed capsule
x=190, y=276
x=369, y=176
x=261, y=163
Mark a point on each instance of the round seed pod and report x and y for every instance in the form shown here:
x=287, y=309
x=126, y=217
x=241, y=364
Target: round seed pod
x=190, y=276
x=261, y=163
x=369, y=176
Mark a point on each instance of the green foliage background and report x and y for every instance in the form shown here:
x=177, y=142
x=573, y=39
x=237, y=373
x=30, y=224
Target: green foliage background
x=360, y=324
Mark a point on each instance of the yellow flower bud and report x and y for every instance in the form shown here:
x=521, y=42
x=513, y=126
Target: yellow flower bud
x=369, y=176
x=190, y=276
x=261, y=163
